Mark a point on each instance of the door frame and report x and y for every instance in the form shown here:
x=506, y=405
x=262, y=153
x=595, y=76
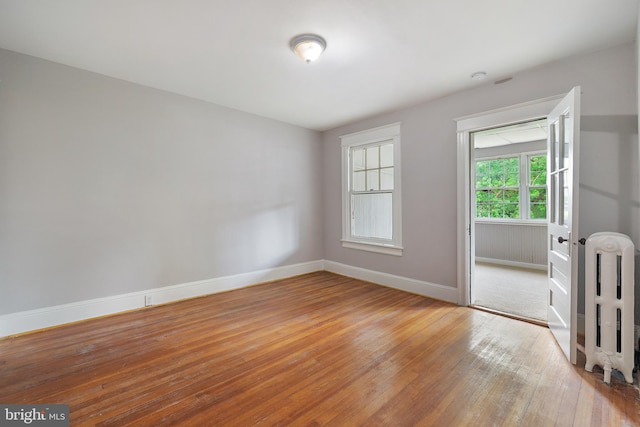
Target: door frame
x=465, y=126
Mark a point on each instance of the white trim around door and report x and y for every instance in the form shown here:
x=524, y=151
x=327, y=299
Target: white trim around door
x=465, y=126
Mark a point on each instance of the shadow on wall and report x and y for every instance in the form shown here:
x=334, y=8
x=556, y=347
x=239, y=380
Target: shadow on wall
x=276, y=235
x=609, y=185
x=258, y=237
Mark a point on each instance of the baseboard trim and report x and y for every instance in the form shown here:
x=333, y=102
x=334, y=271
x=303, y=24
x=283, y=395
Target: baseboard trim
x=31, y=320
x=511, y=263
x=432, y=290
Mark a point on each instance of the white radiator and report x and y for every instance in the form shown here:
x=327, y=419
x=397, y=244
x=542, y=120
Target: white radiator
x=609, y=327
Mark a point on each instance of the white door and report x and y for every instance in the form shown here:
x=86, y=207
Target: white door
x=563, y=146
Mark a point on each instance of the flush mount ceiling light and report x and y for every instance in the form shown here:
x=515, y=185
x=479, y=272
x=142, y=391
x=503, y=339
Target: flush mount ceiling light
x=479, y=76
x=308, y=47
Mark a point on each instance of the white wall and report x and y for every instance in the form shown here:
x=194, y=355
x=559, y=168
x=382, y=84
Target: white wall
x=609, y=137
x=521, y=244
x=108, y=188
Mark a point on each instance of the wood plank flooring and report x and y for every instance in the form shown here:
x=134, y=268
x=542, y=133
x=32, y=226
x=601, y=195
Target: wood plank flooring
x=315, y=350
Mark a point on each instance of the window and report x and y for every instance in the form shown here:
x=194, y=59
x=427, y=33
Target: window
x=512, y=187
x=498, y=188
x=537, y=186
x=371, y=190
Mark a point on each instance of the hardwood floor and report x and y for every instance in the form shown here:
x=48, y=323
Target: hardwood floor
x=318, y=349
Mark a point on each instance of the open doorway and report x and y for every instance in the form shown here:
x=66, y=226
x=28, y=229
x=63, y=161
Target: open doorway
x=509, y=217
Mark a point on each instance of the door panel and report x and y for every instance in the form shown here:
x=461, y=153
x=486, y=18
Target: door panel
x=563, y=147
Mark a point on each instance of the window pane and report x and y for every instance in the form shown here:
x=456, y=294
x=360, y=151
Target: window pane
x=495, y=196
x=538, y=203
x=482, y=174
x=511, y=172
x=482, y=196
x=386, y=155
x=511, y=196
x=496, y=173
x=386, y=179
x=373, y=180
x=538, y=195
x=538, y=211
x=496, y=210
x=372, y=215
x=566, y=126
x=373, y=160
x=566, y=197
x=512, y=179
x=511, y=165
x=550, y=198
x=359, y=181
x=358, y=159
x=511, y=210
x=555, y=134
x=538, y=170
x=482, y=210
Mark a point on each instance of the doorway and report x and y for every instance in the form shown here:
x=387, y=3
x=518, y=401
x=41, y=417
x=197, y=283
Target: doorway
x=509, y=216
x=563, y=117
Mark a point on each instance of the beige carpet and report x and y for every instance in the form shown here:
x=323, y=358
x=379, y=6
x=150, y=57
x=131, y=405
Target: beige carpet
x=512, y=290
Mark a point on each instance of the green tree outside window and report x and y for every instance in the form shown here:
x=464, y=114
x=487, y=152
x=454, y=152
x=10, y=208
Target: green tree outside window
x=498, y=188
x=499, y=192
x=538, y=187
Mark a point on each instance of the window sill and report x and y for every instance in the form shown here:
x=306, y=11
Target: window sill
x=373, y=247
x=538, y=222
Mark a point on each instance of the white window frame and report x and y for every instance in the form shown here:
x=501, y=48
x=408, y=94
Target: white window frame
x=372, y=136
x=523, y=188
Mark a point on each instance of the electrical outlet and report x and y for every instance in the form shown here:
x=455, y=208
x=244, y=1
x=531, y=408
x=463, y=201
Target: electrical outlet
x=147, y=300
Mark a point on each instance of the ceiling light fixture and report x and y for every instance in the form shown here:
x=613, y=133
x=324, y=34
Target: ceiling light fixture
x=308, y=47
x=479, y=76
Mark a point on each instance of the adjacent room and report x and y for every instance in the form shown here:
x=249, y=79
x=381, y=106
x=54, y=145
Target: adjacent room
x=331, y=213
x=510, y=220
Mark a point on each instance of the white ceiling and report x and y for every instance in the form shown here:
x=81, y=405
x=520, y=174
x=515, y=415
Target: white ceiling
x=381, y=54
x=512, y=134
